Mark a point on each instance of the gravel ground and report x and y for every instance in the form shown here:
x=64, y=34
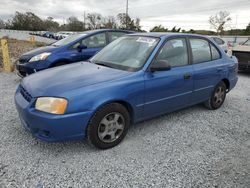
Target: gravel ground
x=193, y=147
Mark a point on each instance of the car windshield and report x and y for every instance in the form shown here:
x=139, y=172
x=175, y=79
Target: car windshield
x=127, y=53
x=67, y=40
x=247, y=43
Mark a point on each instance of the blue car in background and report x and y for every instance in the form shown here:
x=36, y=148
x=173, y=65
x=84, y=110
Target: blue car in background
x=136, y=77
x=74, y=48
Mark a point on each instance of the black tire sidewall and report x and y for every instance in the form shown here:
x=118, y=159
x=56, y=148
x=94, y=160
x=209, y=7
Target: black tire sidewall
x=92, y=130
x=213, y=105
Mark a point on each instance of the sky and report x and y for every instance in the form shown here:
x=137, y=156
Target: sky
x=187, y=14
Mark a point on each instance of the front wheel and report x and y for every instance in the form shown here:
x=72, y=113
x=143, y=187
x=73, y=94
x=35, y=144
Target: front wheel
x=217, y=98
x=108, y=126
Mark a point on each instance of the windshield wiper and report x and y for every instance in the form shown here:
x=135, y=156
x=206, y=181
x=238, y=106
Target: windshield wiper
x=103, y=64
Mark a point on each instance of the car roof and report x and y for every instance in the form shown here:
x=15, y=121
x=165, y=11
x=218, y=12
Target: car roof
x=165, y=34
x=105, y=30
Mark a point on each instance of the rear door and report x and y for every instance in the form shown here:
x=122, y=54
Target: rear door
x=208, y=68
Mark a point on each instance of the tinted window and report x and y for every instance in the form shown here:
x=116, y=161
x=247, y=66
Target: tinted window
x=218, y=41
x=215, y=53
x=95, y=41
x=201, y=50
x=175, y=52
x=115, y=35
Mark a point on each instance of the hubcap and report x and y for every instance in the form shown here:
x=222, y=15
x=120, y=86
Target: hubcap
x=111, y=127
x=219, y=96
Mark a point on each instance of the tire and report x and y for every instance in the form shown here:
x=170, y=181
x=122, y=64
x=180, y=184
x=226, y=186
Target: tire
x=108, y=126
x=217, y=98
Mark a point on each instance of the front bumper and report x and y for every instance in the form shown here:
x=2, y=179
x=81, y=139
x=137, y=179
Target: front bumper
x=49, y=127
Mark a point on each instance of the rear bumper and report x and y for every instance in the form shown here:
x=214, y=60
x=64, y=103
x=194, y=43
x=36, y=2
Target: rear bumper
x=244, y=65
x=49, y=127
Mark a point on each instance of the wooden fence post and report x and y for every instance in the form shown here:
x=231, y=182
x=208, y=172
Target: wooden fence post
x=6, y=57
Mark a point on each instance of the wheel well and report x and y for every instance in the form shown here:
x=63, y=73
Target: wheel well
x=128, y=107
x=227, y=83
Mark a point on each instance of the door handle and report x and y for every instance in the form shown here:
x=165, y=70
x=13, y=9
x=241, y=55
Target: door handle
x=187, y=76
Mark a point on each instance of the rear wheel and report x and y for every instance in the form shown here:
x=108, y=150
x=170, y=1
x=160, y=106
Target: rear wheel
x=218, y=97
x=108, y=126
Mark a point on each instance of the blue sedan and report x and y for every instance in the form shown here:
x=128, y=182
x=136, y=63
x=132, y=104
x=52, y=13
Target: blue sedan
x=136, y=77
x=74, y=48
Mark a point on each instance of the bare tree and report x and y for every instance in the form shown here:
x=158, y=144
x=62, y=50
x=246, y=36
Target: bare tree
x=2, y=24
x=219, y=21
x=94, y=20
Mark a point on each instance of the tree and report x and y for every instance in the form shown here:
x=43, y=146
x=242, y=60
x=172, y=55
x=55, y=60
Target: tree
x=110, y=22
x=175, y=30
x=73, y=24
x=94, y=20
x=2, y=24
x=247, y=31
x=159, y=28
x=25, y=21
x=219, y=21
x=50, y=24
x=126, y=22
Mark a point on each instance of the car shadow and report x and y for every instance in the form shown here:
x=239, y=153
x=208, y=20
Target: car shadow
x=136, y=130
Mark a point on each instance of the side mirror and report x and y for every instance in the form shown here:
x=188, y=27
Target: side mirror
x=81, y=47
x=160, y=65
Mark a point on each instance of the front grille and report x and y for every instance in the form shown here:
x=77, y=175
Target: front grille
x=25, y=94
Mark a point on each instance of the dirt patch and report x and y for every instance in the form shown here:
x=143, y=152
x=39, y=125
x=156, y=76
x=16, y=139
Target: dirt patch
x=17, y=48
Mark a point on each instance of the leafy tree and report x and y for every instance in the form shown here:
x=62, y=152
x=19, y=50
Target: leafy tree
x=175, y=30
x=219, y=21
x=159, y=28
x=26, y=21
x=126, y=22
x=247, y=31
x=50, y=24
x=73, y=24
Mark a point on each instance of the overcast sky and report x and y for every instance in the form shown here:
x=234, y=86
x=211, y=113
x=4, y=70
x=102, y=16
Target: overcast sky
x=187, y=14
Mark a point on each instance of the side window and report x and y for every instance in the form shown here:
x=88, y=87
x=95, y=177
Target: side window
x=215, y=53
x=115, y=35
x=201, y=50
x=175, y=52
x=95, y=41
x=218, y=41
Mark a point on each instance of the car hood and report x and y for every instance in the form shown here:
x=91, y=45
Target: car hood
x=27, y=56
x=56, y=81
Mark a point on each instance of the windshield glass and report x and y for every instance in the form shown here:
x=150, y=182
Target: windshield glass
x=247, y=43
x=68, y=40
x=127, y=53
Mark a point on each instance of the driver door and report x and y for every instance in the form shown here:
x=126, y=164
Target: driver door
x=169, y=90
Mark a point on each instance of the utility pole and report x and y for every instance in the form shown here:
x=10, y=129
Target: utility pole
x=127, y=15
x=84, y=20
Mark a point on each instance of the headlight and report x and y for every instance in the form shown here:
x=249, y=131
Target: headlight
x=40, y=57
x=51, y=105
